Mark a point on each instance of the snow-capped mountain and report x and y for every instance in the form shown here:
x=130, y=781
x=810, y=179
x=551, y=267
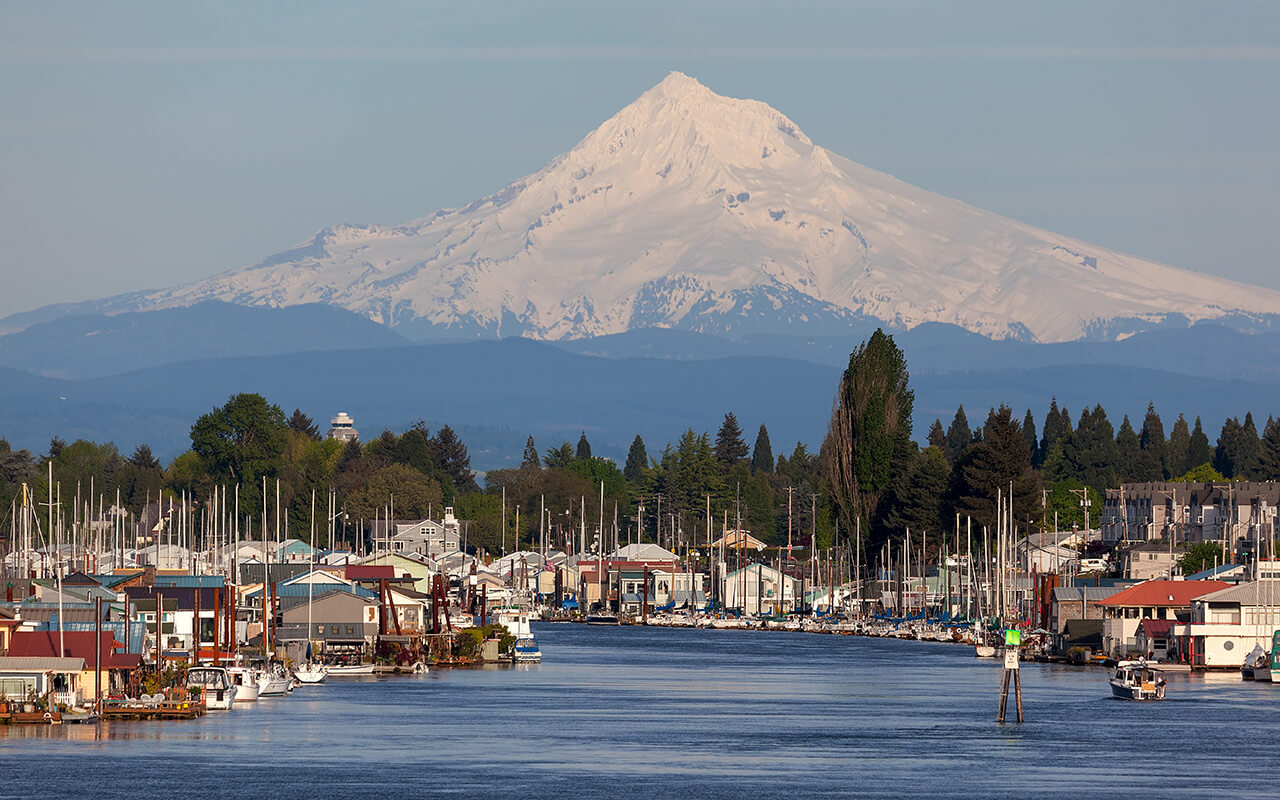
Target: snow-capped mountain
x=696, y=211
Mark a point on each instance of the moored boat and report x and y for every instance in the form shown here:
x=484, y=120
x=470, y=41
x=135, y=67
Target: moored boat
x=245, y=679
x=215, y=685
x=1136, y=680
x=1257, y=660
x=311, y=673
x=274, y=683
x=340, y=670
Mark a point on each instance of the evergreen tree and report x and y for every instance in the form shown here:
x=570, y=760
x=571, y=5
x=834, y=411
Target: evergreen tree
x=56, y=446
x=1268, y=465
x=584, y=447
x=938, y=438
x=143, y=459
x=1237, y=450
x=730, y=447
x=959, y=435
x=414, y=449
x=455, y=461
x=637, y=461
x=1057, y=426
x=302, y=424
x=914, y=500
x=762, y=454
x=1090, y=454
x=1029, y=435
x=530, y=458
x=870, y=430
x=1152, y=465
x=1227, y=450
x=1250, y=448
x=990, y=465
x=1176, y=452
x=1198, y=450
x=1129, y=449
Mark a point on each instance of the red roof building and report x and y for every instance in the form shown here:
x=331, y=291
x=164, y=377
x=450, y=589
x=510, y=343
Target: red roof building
x=1125, y=610
x=1161, y=594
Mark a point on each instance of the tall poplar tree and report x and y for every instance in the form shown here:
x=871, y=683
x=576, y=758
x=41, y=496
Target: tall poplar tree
x=869, y=435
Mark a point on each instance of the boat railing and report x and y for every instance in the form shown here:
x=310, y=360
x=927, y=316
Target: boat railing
x=66, y=698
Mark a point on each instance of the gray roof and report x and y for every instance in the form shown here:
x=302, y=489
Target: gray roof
x=40, y=664
x=1247, y=594
x=645, y=551
x=1091, y=594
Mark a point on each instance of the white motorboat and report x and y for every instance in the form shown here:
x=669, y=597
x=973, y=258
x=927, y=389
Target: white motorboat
x=525, y=650
x=215, y=685
x=342, y=670
x=1136, y=680
x=311, y=673
x=516, y=621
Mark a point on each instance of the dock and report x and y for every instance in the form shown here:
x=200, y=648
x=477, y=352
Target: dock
x=177, y=709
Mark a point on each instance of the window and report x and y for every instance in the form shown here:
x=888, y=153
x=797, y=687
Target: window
x=334, y=629
x=350, y=629
x=319, y=630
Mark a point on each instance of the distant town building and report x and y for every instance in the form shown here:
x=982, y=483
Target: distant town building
x=1191, y=512
x=342, y=428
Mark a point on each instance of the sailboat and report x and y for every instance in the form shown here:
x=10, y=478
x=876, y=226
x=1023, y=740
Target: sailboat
x=311, y=672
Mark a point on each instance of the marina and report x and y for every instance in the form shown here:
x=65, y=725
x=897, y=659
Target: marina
x=696, y=713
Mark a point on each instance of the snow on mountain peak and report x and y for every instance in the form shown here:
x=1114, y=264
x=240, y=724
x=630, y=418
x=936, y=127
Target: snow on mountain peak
x=693, y=210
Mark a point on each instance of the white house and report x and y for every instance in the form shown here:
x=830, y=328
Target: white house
x=1225, y=625
x=759, y=588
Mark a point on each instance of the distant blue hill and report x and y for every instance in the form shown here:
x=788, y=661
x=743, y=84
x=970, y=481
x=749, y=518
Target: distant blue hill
x=1204, y=350
x=498, y=392
x=88, y=346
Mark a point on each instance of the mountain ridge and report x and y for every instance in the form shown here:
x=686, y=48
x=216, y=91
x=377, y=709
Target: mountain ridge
x=717, y=215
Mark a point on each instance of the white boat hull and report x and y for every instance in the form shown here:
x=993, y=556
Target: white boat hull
x=350, y=669
x=310, y=673
x=220, y=699
x=273, y=686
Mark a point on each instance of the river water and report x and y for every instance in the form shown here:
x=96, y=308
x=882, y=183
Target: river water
x=644, y=712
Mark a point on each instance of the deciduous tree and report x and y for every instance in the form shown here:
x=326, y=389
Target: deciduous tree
x=870, y=429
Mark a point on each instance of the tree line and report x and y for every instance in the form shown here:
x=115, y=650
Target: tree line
x=868, y=475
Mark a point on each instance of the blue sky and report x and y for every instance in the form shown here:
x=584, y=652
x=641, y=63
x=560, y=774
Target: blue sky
x=149, y=144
